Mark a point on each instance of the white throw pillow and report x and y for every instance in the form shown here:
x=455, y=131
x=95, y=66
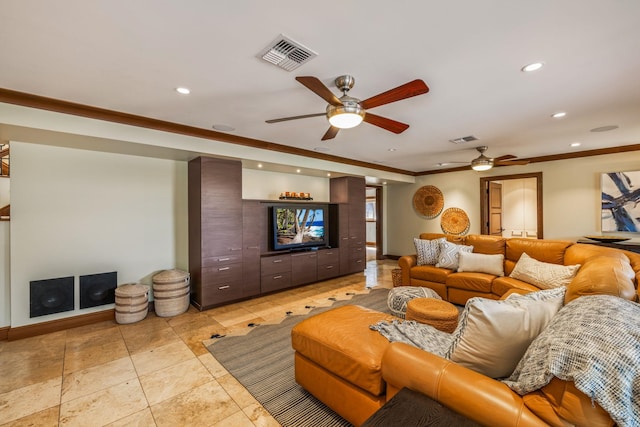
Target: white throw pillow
x=448, y=257
x=481, y=263
x=492, y=336
x=427, y=251
x=543, y=274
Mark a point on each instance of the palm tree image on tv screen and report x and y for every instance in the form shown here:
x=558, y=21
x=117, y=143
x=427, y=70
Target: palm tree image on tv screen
x=299, y=227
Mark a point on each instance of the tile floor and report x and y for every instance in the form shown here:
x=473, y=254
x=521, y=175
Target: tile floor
x=156, y=372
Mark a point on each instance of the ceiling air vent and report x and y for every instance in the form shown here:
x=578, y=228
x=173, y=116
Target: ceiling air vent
x=464, y=139
x=286, y=53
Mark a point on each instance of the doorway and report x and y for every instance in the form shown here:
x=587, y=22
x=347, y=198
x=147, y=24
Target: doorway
x=373, y=216
x=511, y=205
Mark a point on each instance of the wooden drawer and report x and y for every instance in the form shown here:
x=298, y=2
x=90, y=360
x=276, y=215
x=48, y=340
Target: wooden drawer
x=327, y=271
x=357, y=264
x=216, y=294
x=222, y=260
x=328, y=256
x=359, y=251
x=223, y=273
x=275, y=264
x=275, y=282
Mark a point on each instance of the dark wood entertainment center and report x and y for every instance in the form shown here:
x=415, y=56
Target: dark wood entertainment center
x=230, y=256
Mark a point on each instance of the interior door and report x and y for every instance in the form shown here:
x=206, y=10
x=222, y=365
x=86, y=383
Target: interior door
x=495, y=208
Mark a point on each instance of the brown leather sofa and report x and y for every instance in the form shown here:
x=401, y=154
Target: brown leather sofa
x=354, y=370
x=458, y=287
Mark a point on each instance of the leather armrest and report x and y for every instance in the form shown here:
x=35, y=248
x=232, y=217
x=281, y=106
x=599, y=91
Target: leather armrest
x=405, y=263
x=477, y=397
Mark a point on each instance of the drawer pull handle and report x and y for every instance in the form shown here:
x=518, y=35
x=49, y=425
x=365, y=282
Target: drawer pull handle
x=329, y=267
x=224, y=287
x=223, y=259
x=277, y=261
x=253, y=247
x=277, y=277
x=223, y=268
x=235, y=249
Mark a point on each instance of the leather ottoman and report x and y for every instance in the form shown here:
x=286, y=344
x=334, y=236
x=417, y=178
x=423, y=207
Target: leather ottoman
x=338, y=360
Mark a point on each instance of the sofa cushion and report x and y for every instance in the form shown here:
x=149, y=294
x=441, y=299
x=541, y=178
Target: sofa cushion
x=427, y=251
x=543, y=250
x=328, y=339
x=502, y=285
x=603, y=275
x=481, y=263
x=544, y=275
x=492, y=336
x=449, y=254
x=480, y=282
x=430, y=273
x=484, y=244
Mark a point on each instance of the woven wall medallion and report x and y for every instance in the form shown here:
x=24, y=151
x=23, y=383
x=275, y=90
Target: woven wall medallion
x=454, y=221
x=428, y=201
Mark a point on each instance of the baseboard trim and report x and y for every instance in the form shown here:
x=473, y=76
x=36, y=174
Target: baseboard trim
x=58, y=325
x=4, y=333
x=390, y=256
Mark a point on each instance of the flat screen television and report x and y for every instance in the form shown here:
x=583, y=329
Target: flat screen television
x=299, y=226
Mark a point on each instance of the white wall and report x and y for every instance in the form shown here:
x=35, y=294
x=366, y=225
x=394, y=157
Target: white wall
x=5, y=194
x=571, y=198
x=5, y=270
x=519, y=210
x=263, y=185
x=76, y=212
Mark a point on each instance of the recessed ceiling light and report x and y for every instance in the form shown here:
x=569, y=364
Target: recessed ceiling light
x=559, y=115
x=442, y=164
x=323, y=149
x=604, y=128
x=534, y=66
x=576, y=144
x=392, y=149
x=183, y=90
x=223, y=128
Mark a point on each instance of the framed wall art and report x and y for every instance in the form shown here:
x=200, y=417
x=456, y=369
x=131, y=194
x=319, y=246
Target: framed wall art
x=621, y=202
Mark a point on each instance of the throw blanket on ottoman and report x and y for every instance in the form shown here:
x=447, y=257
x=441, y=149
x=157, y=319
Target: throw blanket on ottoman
x=593, y=341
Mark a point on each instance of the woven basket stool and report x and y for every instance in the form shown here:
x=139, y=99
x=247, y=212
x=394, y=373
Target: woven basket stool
x=132, y=303
x=399, y=297
x=171, y=293
x=440, y=314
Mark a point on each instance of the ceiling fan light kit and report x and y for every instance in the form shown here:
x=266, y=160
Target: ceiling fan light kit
x=348, y=112
x=348, y=115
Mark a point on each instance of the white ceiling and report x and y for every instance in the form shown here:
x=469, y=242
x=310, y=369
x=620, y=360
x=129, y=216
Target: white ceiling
x=129, y=56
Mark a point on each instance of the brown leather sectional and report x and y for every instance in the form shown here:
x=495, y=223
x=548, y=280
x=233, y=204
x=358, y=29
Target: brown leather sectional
x=354, y=370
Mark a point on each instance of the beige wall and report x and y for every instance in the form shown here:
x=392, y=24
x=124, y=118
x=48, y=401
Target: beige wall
x=571, y=198
x=77, y=212
x=263, y=185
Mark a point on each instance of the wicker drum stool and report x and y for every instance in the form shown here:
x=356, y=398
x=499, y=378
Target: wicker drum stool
x=399, y=297
x=440, y=314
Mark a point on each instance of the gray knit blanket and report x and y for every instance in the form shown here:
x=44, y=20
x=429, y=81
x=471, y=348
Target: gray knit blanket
x=593, y=341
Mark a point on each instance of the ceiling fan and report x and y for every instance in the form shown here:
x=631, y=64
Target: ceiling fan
x=347, y=112
x=484, y=163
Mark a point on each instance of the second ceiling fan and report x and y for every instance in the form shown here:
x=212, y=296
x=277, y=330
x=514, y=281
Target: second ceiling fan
x=347, y=112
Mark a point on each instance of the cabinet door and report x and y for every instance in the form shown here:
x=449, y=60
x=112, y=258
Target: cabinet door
x=251, y=232
x=304, y=268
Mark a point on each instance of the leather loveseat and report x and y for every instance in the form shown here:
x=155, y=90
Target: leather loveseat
x=354, y=370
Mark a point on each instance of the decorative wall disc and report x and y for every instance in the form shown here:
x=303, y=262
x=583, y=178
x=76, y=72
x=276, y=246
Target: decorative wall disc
x=454, y=221
x=428, y=201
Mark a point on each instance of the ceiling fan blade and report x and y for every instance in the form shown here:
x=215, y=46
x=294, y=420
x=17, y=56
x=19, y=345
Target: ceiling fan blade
x=384, y=123
x=407, y=90
x=505, y=157
x=304, y=116
x=316, y=86
x=510, y=162
x=331, y=133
